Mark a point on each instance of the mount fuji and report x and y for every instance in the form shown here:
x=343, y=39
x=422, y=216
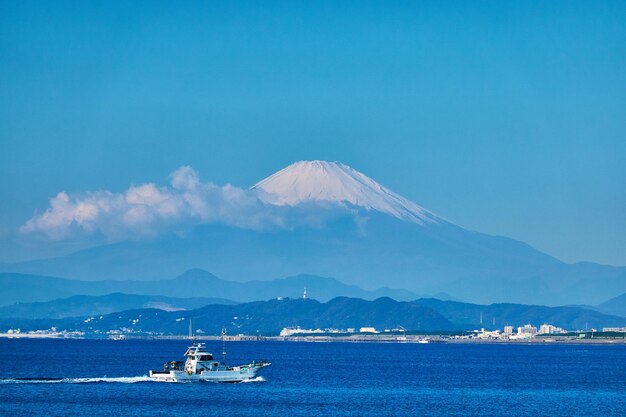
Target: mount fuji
x=351, y=228
x=307, y=181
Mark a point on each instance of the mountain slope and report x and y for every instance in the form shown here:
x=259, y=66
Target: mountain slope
x=616, y=305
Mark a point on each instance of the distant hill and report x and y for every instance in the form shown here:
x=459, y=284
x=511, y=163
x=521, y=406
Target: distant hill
x=89, y=305
x=266, y=317
x=468, y=316
x=269, y=317
x=616, y=305
x=193, y=283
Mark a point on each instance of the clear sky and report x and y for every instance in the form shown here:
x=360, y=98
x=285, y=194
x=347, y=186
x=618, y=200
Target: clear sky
x=505, y=117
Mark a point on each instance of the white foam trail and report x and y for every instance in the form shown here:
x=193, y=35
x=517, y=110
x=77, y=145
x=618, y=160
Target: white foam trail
x=29, y=381
x=257, y=379
x=122, y=380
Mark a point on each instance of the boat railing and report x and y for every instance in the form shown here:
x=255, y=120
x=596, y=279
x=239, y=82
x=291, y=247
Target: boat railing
x=173, y=366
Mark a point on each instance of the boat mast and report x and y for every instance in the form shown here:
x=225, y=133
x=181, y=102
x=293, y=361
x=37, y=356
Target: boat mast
x=190, y=331
x=224, y=345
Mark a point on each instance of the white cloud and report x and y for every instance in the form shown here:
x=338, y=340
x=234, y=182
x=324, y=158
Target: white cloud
x=148, y=210
x=185, y=178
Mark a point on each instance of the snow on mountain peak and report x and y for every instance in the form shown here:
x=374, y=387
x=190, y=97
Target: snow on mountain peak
x=333, y=181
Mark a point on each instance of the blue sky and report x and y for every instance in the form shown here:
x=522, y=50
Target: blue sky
x=505, y=117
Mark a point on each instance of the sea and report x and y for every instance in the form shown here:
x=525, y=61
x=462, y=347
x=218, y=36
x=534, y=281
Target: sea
x=49, y=377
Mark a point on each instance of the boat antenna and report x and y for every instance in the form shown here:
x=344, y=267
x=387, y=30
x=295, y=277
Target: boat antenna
x=224, y=344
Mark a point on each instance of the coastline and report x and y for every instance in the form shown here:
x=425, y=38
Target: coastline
x=333, y=339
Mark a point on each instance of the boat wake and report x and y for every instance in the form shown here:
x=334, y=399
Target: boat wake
x=257, y=379
x=122, y=380
x=119, y=380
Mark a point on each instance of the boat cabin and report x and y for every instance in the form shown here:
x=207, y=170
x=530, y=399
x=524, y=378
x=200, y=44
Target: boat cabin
x=198, y=360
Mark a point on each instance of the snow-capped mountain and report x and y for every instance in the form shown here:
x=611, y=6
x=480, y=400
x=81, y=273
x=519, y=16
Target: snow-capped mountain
x=306, y=181
x=398, y=244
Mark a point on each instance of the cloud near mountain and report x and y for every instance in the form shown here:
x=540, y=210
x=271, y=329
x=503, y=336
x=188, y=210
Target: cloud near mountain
x=148, y=210
x=304, y=194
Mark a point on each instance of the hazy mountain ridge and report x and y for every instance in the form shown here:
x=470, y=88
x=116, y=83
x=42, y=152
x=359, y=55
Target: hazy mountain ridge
x=86, y=305
x=193, y=283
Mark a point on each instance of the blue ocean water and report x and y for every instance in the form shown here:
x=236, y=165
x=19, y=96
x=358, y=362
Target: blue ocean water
x=102, y=377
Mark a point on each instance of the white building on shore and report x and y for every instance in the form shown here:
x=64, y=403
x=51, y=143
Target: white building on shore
x=614, y=329
x=508, y=331
x=290, y=331
x=368, y=330
x=526, y=331
x=550, y=329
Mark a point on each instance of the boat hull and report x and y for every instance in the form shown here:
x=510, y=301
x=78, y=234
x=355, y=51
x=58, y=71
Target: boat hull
x=236, y=374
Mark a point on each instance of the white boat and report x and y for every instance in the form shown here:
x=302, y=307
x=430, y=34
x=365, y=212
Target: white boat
x=201, y=366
